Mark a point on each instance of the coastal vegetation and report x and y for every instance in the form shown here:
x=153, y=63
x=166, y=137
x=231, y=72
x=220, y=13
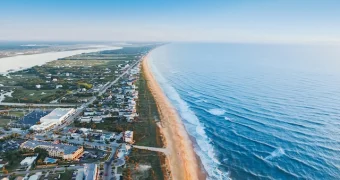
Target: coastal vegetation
x=147, y=133
x=66, y=78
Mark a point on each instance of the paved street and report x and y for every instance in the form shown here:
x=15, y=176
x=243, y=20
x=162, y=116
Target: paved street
x=71, y=105
x=45, y=169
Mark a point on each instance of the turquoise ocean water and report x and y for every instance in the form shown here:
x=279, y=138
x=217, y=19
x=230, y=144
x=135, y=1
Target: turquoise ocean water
x=257, y=111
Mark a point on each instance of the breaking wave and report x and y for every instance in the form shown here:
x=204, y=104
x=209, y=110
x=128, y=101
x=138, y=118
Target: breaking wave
x=216, y=112
x=201, y=100
x=195, y=129
x=277, y=153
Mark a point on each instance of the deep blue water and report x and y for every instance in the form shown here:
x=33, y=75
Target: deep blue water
x=257, y=111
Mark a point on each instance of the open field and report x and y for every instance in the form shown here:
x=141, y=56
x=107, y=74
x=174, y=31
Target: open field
x=145, y=164
x=147, y=135
x=71, y=63
x=4, y=122
x=76, y=76
x=34, y=96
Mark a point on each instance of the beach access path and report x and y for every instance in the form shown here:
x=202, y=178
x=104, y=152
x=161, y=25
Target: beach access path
x=162, y=150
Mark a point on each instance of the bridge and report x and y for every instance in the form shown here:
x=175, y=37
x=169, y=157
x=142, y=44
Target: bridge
x=162, y=150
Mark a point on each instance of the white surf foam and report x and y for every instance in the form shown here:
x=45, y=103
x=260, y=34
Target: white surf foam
x=227, y=118
x=195, y=129
x=216, y=112
x=201, y=100
x=277, y=153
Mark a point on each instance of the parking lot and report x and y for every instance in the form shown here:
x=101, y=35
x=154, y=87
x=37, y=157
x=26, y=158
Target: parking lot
x=33, y=117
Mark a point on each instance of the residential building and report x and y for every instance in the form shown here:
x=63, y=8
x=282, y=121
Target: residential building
x=54, y=118
x=28, y=161
x=128, y=136
x=64, y=151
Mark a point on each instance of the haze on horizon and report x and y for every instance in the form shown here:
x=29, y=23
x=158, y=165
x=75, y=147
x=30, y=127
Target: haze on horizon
x=200, y=20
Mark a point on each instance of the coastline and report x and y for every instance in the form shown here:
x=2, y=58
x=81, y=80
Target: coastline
x=181, y=160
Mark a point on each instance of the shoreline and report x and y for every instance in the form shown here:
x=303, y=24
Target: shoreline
x=181, y=160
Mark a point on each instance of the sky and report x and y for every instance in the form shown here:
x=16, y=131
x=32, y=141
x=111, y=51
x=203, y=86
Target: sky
x=171, y=20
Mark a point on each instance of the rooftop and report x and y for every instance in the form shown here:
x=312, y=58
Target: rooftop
x=57, y=113
x=28, y=161
x=90, y=171
x=67, y=149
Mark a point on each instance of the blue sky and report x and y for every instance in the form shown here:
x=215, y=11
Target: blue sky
x=191, y=20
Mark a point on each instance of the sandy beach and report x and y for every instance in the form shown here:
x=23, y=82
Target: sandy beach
x=182, y=160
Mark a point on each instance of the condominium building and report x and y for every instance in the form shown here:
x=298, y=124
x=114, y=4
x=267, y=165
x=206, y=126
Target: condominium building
x=64, y=151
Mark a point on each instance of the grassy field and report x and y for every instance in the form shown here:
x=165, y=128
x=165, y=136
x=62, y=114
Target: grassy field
x=70, y=72
x=14, y=113
x=149, y=159
x=71, y=63
x=36, y=96
x=146, y=134
x=4, y=122
x=67, y=175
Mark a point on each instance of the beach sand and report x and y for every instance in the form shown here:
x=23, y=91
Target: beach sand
x=181, y=160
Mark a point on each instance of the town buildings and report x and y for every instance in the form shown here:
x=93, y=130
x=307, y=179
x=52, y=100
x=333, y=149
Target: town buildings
x=64, y=151
x=54, y=118
x=128, y=137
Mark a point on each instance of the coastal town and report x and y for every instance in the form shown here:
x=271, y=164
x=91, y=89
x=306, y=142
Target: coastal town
x=88, y=116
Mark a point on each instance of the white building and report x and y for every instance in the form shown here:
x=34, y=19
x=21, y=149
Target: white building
x=88, y=119
x=28, y=161
x=58, y=86
x=91, y=113
x=54, y=118
x=128, y=136
x=64, y=151
x=85, y=119
x=97, y=119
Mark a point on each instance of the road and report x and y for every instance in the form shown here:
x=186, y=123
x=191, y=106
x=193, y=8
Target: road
x=37, y=105
x=71, y=105
x=108, y=165
x=54, y=169
x=70, y=119
x=120, y=76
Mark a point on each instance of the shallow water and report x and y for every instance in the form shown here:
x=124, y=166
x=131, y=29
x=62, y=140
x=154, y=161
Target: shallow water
x=257, y=111
x=26, y=61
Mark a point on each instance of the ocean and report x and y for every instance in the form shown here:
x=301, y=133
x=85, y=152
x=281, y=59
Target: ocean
x=256, y=111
